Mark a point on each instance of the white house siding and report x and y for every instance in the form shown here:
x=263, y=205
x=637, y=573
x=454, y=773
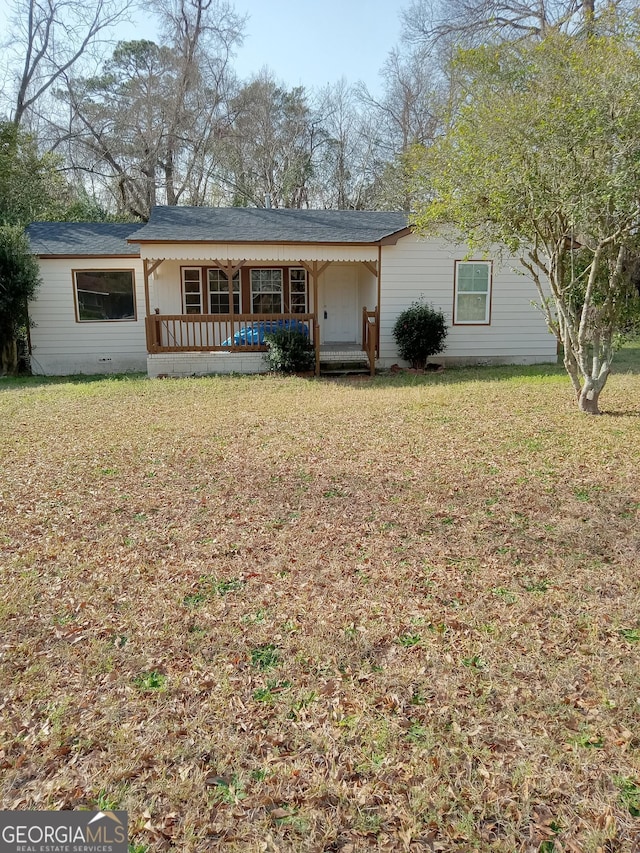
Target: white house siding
x=416, y=268
x=62, y=346
x=367, y=289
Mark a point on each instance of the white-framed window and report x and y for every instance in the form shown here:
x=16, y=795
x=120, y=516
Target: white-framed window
x=472, y=298
x=104, y=295
x=192, y=290
x=298, y=290
x=266, y=291
x=219, y=292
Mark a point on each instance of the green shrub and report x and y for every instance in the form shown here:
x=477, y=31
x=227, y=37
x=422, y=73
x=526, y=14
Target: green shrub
x=420, y=332
x=289, y=351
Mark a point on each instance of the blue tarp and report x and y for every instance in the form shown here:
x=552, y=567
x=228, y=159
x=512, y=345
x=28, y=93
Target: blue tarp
x=253, y=333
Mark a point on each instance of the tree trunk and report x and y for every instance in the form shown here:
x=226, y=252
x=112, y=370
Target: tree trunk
x=588, y=401
x=8, y=358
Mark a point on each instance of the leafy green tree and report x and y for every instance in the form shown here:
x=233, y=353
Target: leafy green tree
x=31, y=186
x=543, y=156
x=19, y=280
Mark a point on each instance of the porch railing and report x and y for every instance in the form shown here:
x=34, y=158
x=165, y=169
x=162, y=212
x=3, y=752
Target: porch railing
x=371, y=336
x=170, y=333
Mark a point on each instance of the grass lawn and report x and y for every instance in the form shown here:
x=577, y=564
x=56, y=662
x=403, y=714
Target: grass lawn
x=267, y=614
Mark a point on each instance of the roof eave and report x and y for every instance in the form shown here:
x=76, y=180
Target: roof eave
x=66, y=256
x=389, y=238
x=392, y=239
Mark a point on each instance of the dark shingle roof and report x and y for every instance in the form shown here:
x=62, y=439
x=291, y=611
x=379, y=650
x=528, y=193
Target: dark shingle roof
x=217, y=225
x=81, y=238
x=260, y=225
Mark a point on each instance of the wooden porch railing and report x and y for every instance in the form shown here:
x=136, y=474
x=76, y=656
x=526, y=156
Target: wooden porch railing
x=172, y=333
x=371, y=336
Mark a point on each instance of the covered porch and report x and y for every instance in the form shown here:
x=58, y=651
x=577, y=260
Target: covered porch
x=210, y=314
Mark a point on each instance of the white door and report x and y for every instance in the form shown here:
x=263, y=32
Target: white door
x=339, y=316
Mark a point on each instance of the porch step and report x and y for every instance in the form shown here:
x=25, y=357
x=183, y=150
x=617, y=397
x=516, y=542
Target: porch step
x=341, y=359
x=333, y=367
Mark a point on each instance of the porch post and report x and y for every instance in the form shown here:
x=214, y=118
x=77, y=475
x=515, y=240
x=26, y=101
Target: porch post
x=229, y=273
x=379, y=297
x=316, y=324
x=149, y=325
x=151, y=321
x=147, y=299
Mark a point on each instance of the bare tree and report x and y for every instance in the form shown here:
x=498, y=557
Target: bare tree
x=203, y=34
x=272, y=145
x=149, y=125
x=344, y=164
x=50, y=37
x=407, y=113
x=472, y=22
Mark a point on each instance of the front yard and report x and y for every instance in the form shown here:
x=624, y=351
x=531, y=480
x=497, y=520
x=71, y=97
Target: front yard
x=266, y=614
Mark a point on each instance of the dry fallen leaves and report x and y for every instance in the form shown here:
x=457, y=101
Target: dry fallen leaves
x=265, y=614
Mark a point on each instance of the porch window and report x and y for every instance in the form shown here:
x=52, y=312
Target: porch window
x=219, y=292
x=192, y=290
x=104, y=295
x=472, y=300
x=266, y=291
x=298, y=291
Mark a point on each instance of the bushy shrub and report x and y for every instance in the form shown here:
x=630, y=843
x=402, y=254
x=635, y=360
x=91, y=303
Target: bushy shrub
x=420, y=332
x=289, y=351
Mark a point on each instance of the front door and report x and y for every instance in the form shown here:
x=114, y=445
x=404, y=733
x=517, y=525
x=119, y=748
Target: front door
x=339, y=305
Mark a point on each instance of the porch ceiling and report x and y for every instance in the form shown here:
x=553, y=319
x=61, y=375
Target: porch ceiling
x=266, y=252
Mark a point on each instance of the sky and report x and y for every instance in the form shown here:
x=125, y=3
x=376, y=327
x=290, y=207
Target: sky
x=304, y=42
x=310, y=42
x=315, y=42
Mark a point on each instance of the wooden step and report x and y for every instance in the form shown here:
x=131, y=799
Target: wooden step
x=340, y=368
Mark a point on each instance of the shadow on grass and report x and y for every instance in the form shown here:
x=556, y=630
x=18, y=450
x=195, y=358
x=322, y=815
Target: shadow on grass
x=10, y=383
x=626, y=361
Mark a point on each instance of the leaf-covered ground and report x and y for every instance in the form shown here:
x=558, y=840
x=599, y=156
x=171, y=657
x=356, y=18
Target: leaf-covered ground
x=267, y=614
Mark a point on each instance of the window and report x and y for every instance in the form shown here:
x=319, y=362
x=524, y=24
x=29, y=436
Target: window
x=266, y=291
x=219, y=292
x=104, y=295
x=298, y=291
x=472, y=292
x=192, y=290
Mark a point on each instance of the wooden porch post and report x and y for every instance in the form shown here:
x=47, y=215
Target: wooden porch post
x=316, y=324
x=232, y=310
x=314, y=270
x=151, y=325
x=147, y=299
x=379, y=297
